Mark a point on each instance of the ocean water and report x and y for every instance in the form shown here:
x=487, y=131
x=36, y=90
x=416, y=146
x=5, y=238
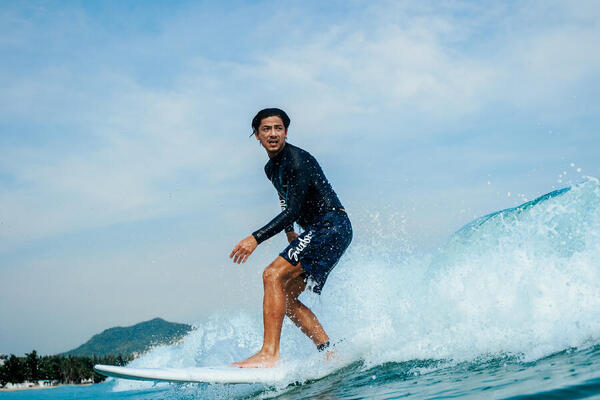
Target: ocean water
x=508, y=308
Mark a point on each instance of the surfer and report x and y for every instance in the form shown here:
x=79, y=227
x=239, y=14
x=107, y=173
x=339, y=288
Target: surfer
x=307, y=198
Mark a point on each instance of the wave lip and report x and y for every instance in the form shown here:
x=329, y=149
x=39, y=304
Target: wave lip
x=522, y=282
x=525, y=280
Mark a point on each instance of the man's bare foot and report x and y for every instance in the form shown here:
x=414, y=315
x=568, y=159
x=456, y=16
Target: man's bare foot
x=258, y=360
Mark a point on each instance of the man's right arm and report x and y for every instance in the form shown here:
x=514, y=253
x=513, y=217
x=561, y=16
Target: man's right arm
x=289, y=230
x=283, y=204
x=298, y=186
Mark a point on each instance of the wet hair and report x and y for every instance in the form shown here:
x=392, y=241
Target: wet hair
x=270, y=112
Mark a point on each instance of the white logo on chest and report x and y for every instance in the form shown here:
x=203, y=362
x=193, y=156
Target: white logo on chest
x=302, y=244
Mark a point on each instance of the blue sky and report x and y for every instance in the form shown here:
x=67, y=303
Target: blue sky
x=127, y=172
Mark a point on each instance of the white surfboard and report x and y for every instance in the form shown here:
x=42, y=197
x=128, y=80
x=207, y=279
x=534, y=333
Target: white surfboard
x=196, y=374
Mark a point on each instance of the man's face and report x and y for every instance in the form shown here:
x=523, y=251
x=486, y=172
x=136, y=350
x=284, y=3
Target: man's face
x=271, y=134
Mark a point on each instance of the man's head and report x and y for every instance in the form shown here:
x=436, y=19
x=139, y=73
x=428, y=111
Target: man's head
x=270, y=112
x=270, y=129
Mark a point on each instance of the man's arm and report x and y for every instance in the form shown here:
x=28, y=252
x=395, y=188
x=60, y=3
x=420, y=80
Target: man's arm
x=243, y=249
x=298, y=186
x=289, y=230
x=283, y=204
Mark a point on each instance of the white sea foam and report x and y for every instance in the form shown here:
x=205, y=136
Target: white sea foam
x=523, y=281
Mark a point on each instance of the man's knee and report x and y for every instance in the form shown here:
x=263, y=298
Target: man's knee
x=271, y=275
x=281, y=271
x=277, y=272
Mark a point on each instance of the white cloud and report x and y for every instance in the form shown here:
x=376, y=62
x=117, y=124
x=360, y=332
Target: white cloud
x=132, y=140
x=106, y=128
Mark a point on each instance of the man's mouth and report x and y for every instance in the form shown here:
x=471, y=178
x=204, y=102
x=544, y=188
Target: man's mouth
x=273, y=142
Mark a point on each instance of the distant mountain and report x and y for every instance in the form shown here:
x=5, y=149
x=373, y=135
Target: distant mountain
x=132, y=339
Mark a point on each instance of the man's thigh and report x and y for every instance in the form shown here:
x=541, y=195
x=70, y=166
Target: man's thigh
x=283, y=270
x=295, y=287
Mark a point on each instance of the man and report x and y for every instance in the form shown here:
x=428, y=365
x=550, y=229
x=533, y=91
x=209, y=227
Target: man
x=307, y=198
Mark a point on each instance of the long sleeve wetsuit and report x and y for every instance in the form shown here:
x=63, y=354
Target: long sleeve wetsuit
x=304, y=192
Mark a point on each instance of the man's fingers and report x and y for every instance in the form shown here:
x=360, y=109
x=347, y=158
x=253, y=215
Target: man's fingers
x=238, y=256
x=235, y=250
x=243, y=249
x=240, y=253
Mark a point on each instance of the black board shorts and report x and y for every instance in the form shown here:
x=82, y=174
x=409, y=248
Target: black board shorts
x=320, y=247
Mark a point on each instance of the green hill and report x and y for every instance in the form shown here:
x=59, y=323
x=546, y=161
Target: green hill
x=132, y=339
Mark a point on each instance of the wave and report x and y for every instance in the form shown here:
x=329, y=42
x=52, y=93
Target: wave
x=521, y=282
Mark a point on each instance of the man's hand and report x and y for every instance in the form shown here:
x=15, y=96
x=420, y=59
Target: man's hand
x=291, y=236
x=243, y=249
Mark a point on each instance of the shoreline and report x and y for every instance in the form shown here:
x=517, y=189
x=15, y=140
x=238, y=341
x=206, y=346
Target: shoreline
x=39, y=387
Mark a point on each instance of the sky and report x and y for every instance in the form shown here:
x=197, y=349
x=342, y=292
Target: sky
x=127, y=174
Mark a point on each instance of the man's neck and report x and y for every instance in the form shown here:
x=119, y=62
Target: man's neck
x=274, y=154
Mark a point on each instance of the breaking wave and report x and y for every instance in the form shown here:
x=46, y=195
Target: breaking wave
x=522, y=282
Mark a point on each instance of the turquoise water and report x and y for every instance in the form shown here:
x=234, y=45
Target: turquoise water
x=570, y=374
x=509, y=308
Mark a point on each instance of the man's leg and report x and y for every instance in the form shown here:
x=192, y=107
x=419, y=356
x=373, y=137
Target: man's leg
x=275, y=279
x=301, y=315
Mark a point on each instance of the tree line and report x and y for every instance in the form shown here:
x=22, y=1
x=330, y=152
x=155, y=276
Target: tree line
x=58, y=369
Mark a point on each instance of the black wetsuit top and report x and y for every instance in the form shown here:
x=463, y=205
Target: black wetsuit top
x=304, y=192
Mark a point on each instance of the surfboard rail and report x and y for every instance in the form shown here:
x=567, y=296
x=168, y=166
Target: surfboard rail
x=195, y=374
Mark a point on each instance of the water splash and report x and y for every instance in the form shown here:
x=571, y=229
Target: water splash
x=523, y=281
